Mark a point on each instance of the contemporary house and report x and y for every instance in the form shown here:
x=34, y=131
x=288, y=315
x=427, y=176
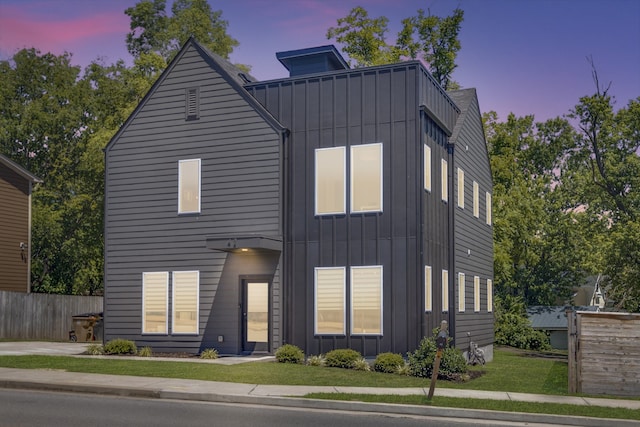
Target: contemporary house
x=16, y=184
x=333, y=208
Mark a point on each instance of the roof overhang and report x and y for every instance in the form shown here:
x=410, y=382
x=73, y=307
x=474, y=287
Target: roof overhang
x=243, y=243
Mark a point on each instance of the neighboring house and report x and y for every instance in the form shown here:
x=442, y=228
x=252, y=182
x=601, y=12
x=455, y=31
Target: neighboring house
x=553, y=320
x=16, y=184
x=334, y=208
x=591, y=293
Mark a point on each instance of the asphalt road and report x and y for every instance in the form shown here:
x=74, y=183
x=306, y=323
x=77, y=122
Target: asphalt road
x=35, y=408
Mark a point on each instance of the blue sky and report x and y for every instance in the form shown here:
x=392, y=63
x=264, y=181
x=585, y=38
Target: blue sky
x=523, y=56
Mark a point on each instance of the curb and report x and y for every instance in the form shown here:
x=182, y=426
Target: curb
x=319, y=404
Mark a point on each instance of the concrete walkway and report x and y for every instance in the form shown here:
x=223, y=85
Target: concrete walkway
x=169, y=388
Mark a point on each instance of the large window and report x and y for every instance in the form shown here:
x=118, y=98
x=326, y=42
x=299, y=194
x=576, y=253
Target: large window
x=185, y=302
x=330, y=181
x=428, y=289
x=488, y=200
x=330, y=301
x=461, y=292
x=427, y=167
x=444, y=174
x=445, y=291
x=189, y=186
x=476, y=294
x=476, y=200
x=155, y=294
x=460, y=188
x=366, y=178
x=366, y=300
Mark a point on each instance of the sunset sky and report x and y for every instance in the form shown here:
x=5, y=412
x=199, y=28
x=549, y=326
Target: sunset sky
x=523, y=56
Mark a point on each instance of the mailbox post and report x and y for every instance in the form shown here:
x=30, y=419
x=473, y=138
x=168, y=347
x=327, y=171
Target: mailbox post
x=441, y=343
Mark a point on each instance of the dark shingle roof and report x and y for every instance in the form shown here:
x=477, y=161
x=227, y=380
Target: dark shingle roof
x=552, y=317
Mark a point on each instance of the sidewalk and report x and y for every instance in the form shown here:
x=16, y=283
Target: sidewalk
x=169, y=388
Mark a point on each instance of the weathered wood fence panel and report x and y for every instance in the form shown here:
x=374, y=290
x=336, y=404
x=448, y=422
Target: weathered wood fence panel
x=42, y=316
x=604, y=353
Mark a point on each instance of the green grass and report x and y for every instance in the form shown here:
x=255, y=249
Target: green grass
x=486, y=404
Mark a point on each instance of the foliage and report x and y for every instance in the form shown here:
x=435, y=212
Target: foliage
x=513, y=328
x=422, y=359
x=317, y=360
x=289, y=353
x=388, y=362
x=209, y=353
x=120, y=346
x=431, y=38
x=95, y=349
x=145, y=352
x=361, y=365
x=342, y=358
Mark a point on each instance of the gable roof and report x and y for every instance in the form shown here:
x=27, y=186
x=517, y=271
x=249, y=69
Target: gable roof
x=462, y=98
x=18, y=169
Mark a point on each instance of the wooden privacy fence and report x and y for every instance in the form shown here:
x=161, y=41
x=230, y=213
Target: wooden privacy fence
x=42, y=316
x=604, y=353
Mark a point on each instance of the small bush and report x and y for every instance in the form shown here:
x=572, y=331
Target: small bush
x=145, y=352
x=289, y=353
x=120, y=346
x=315, y=360
x=209, y=353
x=422, y=359
x=95, y=349
x=388, y=362
x=403, y=369
x=342, y=358
x=361, y=365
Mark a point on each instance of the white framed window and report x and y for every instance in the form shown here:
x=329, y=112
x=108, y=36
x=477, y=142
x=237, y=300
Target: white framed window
x=427, y=167
x=155, y=302
x=461, y=292
x=366, y=300
x=329, y=313
x=445, y=291
x=189, y=186
x=489, y=295
x=476, y=200
x=476, y=294
x=428, y=289
x=444, y=185
x=488, y=201
x=460, y=188
x=185, y=297
x=366, y=178
x=330, y=170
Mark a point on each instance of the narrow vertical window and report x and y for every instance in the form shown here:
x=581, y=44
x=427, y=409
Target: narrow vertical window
x=427, y=167
x=460, y=188
x=192, y=103
x=330, y=301
x=155, y=297
x=366, y=300
x=428, y=289
x=444, y=180
x=445, y=291
x=185, y=302
x=189, y=186
x=461, y=292
x=366, y=178
x=488, y=199
x=476, y=200
x=330, y=181
x=489, y=295
x=476, y=294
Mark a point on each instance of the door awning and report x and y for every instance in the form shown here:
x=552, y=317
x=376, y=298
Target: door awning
x=244, y=243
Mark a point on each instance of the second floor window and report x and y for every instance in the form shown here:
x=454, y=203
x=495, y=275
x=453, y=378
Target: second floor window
x=189, y=186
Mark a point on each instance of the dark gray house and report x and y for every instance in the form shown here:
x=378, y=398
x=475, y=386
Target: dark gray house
x=334, y=208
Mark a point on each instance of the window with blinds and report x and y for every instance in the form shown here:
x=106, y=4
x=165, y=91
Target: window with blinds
x=189, y=186
x=330, y=180
x=366, y=178
x=185, y=302
x=366, y=300
x=155, y=294
x=330, y=301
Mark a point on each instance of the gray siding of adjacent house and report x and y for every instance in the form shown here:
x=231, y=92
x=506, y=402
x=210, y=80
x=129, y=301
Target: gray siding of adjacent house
x=473, y=237
x=241, y=160
x=348, y=108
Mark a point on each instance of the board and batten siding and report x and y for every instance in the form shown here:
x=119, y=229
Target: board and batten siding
x=14, y=229
x=240, y=194
x=473, y=237
x=345, y=109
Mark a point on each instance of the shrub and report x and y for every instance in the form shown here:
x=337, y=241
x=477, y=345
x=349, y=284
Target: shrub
x=513, y=328
x=145, y=352
x=315, y=360
x=422, y=359
x=361, y=365
x=342, y=358
x=388, y=362
x=95, y=349
x=289, y=353
x=209, y=353
x=403, y=369
x=120, y=346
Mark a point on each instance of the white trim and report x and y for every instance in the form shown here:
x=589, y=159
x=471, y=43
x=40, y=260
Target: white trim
x=315, y=300
x=489, y=295
x=445, y=291
x=371, y=267
x=180, y=162
x=461, y=293
x=427, y=167
x=444, y=180
x=488, y=218
x=173, y=301
x=476, y=294
x=352, y=175
x=476, y=199
x=344, y=181
x=460, y=188
x=428, y=288
x=166, y=300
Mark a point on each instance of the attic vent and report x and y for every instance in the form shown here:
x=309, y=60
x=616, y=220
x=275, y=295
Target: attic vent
x=193, y=101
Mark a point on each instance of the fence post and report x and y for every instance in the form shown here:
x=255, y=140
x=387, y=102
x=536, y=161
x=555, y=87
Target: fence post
x=572, y=350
